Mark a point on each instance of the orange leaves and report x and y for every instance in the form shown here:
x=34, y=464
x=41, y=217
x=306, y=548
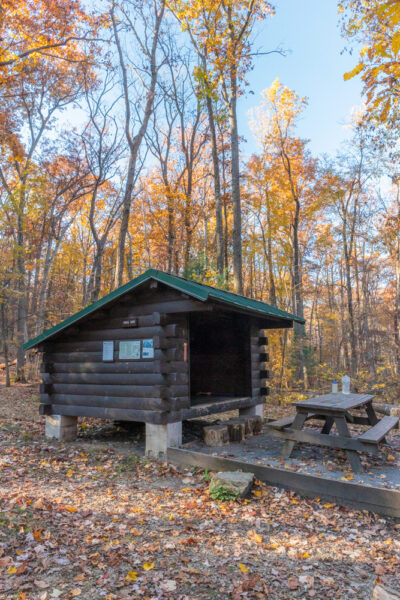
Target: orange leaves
x=255, y=537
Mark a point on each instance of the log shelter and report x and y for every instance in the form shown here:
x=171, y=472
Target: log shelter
x=159, y=349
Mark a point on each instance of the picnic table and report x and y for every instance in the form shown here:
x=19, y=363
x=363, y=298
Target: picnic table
x=334, y=409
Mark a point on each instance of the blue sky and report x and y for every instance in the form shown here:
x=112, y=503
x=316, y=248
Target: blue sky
x=314, y=67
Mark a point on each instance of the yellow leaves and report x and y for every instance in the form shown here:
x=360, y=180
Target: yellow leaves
x=396, y=43
x=11, y=570
x=329, y=505
x=257, y=493
x=390, y=457
x=131, y=576
x=71, y=509
x=148, y=566
x=243, y=568
x=305, y=555
x=354, y=72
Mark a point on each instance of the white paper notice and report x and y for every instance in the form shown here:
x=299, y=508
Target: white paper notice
x=108, y=351
x=147, y=349
x=129, y=350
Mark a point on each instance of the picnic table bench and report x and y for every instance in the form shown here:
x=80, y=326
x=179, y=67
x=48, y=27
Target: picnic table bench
x=333, y=409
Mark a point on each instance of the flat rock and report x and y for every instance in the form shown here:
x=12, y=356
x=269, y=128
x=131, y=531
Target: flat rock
x=233, y=481
x=381, y=593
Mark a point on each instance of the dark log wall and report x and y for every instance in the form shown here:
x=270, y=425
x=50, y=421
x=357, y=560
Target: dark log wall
x=259, y=362
x=76, y=380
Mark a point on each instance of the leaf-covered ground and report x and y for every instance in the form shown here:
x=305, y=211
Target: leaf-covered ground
x=93, y=520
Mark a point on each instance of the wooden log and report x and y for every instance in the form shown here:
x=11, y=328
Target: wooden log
x=216, y=435
x=45, y=388
x=175, y=365
x=257, y=357
x=166, y=307
x=253, y=425
x=178, y=378
x=45, y=398
x=118, y=402
x=64, y=357
x=258, y=340
x=122, y=333
x=128, y=379
x=125, y=391
x=236, y=430
x=132, y=367
x=157, y=417
x=261, y=374
x=258, y=382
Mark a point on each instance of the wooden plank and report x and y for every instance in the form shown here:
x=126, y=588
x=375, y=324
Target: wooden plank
x=335, y=402
x=383, y=501
x=281, y=423
x=378, y=431
x=320, y=439
x=217, y=405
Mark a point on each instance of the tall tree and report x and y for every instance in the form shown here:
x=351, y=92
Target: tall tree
x=141, y=22
x=222, y=30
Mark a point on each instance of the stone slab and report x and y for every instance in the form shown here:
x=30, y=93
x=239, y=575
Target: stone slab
x=237, y=482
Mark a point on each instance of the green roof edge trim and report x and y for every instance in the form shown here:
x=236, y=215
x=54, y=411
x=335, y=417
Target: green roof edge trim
x=199, y=291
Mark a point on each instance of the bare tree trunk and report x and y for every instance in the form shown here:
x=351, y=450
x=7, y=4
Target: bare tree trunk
x=4, y=333
x=21, y=291
x=219, y=229
x=237, y=209
x=135, y=141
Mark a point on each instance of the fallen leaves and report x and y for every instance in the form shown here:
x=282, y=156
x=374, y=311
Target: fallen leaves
x=139, y=533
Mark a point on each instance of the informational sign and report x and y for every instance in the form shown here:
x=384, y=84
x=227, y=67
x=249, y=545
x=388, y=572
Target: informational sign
x=147, y=349
x=108, y=351
x=129, y=350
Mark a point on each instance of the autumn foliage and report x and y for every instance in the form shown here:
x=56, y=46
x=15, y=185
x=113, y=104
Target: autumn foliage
x=121, y=149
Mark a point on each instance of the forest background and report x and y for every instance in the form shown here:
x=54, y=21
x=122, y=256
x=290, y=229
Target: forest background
x=121, y=150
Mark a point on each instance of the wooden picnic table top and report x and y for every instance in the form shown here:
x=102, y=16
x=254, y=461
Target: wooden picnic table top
x=334, y=402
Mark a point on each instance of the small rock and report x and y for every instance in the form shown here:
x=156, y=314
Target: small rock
x=233, y=481
x=381, y=593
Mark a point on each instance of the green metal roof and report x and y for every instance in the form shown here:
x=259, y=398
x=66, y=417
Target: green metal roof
x=199, y=291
